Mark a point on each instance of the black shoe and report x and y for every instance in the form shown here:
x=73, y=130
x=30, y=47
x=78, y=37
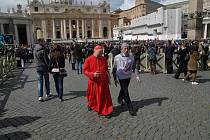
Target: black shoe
x=61, y=100
x=176, y=77
x=132, y=113
x=108, y=116
x=122, y=102
x=89, y=109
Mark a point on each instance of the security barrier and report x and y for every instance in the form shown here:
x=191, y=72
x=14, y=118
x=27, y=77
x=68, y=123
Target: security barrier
x=7, y=64
x=144, y=62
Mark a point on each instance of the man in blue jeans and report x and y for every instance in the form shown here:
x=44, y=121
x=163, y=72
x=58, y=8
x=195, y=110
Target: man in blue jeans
x=42, y=66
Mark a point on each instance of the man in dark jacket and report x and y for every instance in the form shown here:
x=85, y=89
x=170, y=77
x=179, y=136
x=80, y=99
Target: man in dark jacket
x=169, y=52
x=136, y=53
x=79, y=58
x=42, y=65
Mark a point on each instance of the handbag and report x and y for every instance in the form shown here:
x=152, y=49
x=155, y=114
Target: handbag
x=187, y=57
x=61, y=71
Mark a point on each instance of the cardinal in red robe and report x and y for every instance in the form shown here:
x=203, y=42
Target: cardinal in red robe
x=98, y=93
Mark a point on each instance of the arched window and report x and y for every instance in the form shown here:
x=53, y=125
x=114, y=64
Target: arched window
x=105, y=32
x=89, y=34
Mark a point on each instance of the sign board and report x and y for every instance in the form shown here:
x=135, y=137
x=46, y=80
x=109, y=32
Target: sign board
x=9, y=39
x=1, y=38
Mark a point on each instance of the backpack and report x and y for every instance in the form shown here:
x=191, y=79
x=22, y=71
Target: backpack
x=152, y=53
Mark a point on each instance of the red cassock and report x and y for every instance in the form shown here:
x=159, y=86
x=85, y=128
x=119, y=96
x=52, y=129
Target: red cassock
x=98, y=93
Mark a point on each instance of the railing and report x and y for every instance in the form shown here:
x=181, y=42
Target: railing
x=144, y=62
x=7, y=64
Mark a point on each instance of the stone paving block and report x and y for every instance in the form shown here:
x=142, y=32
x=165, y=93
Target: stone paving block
x=168, y=109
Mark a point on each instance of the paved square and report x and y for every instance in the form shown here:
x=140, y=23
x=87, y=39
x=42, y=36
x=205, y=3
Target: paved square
x=168, y=109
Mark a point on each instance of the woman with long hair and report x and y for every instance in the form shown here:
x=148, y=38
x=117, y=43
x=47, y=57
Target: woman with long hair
x=57, y=62
x=193, y=64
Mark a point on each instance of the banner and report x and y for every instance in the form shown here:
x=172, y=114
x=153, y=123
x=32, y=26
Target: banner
x=9, y=39
x=1, y=38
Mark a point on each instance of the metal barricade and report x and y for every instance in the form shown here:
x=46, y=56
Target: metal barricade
x=160, y=64
x=7, y=64
x=144, y=62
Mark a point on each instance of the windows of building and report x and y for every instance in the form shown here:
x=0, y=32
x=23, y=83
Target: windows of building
x=36, y=9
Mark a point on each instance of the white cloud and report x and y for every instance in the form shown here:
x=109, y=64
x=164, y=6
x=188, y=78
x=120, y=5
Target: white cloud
x=4, y=4
x=165, y=2
x=11, y=4
x=127, y=4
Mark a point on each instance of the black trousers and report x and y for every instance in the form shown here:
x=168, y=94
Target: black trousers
x=179, y=71
x=169, y=65
x=204, y=63
x=124, y=94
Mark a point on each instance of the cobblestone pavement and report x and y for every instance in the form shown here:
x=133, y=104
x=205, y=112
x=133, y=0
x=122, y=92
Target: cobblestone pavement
x=168, y=109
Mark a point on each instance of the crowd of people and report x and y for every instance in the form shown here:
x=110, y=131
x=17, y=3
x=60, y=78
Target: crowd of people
x=91, y=59
x=24, y=54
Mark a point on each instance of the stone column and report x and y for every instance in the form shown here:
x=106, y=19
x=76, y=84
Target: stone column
x=62, y=36
x=16, y=33
x=195, y=25
x=44, y=29
x=100, y=29
x=86, y=29
x=54, y=35
x=2, y=28
x=93, y=28
x=78, y=29
x=205, y=31
x=29, y=35
x=83, y=28
x=64, y=26
x=109, y=29
x=70, y=30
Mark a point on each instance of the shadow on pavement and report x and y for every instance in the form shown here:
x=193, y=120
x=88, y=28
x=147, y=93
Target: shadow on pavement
x=6, y=88
x=17, y=121
x=138, y=104
x=75, y=94
x=11, y=85
x=203, y=80
x=19, y=135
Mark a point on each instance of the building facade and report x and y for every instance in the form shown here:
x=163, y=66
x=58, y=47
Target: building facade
x=163, y=24
x=18, y=24
x=141, y=8
x=68, y=19
x=184, y=5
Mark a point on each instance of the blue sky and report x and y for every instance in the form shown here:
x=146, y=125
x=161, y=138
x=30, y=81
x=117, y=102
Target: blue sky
x=114, y=3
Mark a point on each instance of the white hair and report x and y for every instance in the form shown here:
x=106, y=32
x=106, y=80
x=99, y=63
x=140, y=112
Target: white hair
x=124, y=45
